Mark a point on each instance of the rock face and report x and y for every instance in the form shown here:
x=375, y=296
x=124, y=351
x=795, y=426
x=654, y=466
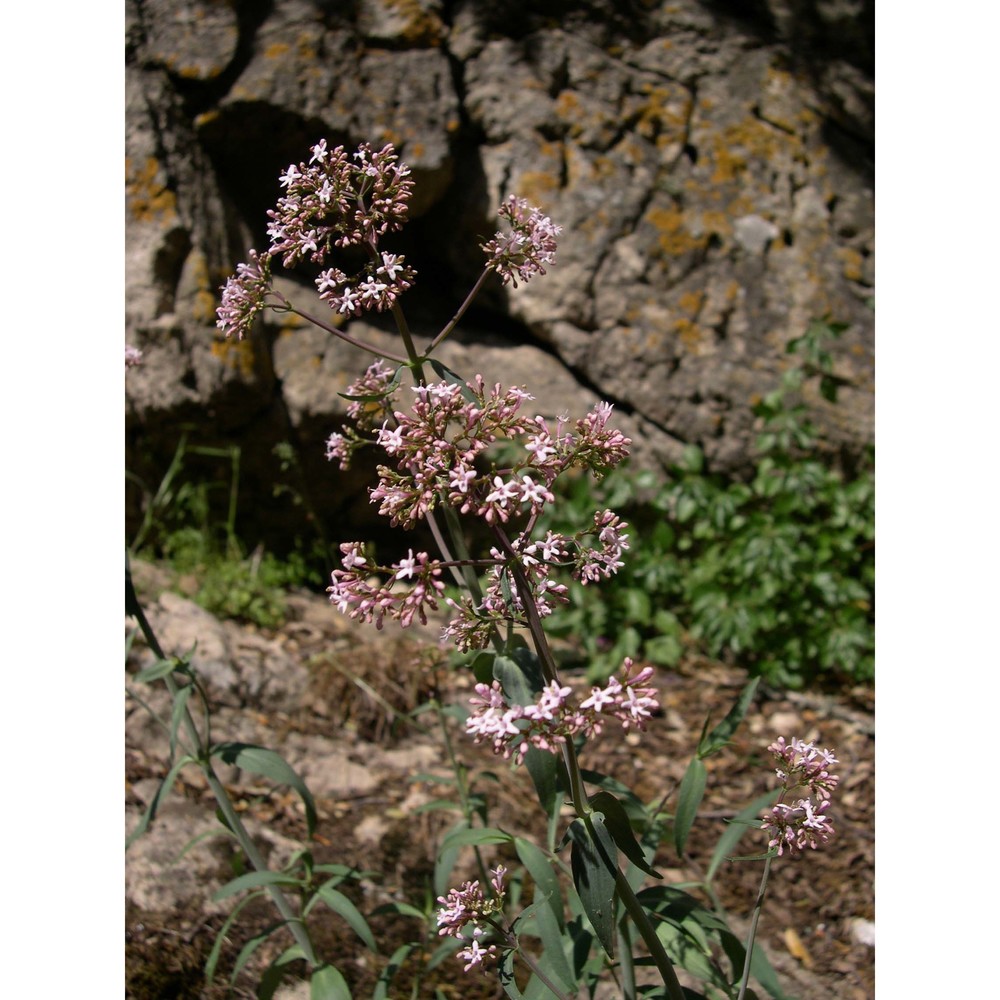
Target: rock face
x=711, y=164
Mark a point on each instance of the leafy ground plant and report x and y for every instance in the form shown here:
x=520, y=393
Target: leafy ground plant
x=467, y=452
x=776, y=572
x=181, y=523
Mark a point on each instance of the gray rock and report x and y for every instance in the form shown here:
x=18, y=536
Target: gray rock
x=711, y=168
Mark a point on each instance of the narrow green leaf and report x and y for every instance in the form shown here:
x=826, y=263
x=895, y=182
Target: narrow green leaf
x=375, y=397
x=404, y=909
x=723, y=732
x=160, y=669
x=482, y=666
x=452, y=378
x=259, y=760
x=220, y=938
x=617, y=822
x=177, y=714
x=149, y=814
x=445, y=950
x=592, y=858
x=246, y=952
x=478, y=837
x=543, y=870
x=253, y=880
x=343, y=907
x=553, y=961
x=746, y=820
x=520, y=676
x=544, y=769
x=505, y=972
x=327, y=983
x=274, y=975
x=437, y=804
x=395, y=963
x=688, y=800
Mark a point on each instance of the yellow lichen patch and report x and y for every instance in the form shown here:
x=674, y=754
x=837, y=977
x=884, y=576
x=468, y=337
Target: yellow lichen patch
x=197, y=282
x=690, y=334
x=853, y=263
x=146, y=194
x=422, y=27
x=536, y=184
x=235, y=354
x=691, y=302
x=660, y=112
x=276, y=49
x=674, y=237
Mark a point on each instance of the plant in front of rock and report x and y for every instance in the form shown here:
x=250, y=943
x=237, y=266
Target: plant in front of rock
x=182, y=524
x=588, y=918
x=776, y=572
x=310, y=885
x=461, y=453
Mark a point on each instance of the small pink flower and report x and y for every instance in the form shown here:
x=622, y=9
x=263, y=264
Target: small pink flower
x=801, y=766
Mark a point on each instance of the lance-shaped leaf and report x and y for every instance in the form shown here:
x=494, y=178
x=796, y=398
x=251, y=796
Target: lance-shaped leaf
x=688, y=800
x=593, y=859
x=260, y=760
x=327, y=983
x=617, y=822
x=715, y=740
x=545, y=769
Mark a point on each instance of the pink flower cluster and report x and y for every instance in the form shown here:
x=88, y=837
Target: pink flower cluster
x=437, y=443
x=529, y=245
x=337, y=201
x=468, y=905
x=359, y=594
x=367, y=397
x=804, y=824
x=133, y=356
x=244, y=296
x=439, y=448
x=334, y=201
x=553, y=719
x=341, y=201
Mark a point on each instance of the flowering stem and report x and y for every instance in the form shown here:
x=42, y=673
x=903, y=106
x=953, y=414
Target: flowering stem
x=453, y=322
x=753, y=929
x=577, y=790
x=309, y=318
x=627, y=963
x=463, y=788
x=293, y=921
x=530, y=962
x=642, y=922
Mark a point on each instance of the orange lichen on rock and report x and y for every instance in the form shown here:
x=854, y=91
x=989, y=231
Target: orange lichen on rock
x=146, y=193
x=235, y=354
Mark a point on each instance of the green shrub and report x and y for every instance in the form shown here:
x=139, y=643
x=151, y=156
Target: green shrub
x=776, y=573
x=184, y=525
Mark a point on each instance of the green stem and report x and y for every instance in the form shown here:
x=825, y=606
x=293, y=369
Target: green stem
x=453, y=322
x=463, y=790
x=580, y=800
x=751, y=936
x=626, y=960
x=645, y=927
x=530, y=962
x=294, y=922
x=353, y=341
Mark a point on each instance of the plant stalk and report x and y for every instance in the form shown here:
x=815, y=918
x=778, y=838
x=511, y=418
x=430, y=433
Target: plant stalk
x=294, y=922
x=752, y=934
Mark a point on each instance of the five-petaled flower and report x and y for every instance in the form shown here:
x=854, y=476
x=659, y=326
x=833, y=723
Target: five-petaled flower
x=794, y=827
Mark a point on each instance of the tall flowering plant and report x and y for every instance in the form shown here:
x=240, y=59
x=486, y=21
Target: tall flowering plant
x=441, y=465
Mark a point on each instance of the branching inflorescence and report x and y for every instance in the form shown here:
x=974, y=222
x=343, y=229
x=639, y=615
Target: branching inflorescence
x=794, y=827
